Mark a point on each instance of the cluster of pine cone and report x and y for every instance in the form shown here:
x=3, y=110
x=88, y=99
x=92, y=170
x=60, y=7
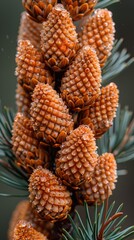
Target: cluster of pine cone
x=62, y=110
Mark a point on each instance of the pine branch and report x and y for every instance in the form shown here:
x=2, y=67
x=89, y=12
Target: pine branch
x=10, y=173
x=106, y=225
x=119, y=139
x=6, y=121
x=116, y=63
x=106, y=3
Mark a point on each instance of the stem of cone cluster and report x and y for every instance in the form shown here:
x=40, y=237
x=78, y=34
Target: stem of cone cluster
x=58, y=76
x=52, y=154
x=58, y=227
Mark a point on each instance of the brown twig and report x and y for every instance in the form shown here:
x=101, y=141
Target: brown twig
x=101, y=232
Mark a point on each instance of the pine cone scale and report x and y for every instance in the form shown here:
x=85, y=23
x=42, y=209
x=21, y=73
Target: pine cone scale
x=49, y=114
x=74, y=165
x=102, y=182
x=30, y=66
x=56, y=199
x=98, y=32
x=58, y=42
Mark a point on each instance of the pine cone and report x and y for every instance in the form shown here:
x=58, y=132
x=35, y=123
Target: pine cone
x=49, y=198
x=58, y=39
x=99, y=33
x=30, y=66
x=23, y=100
x=24, y=212
x=29, y=152
x=24, y=231
x=101, y=114
x=38, y=9
x=79, y=9
x=49, y=115
x=77, y=157
x=102, y=183
x=81, y=84
x=29, y=30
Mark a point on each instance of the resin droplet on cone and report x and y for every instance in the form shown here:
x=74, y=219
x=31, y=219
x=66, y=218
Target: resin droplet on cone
x=81, y=83
x=102, y=183
x=79, y=9
x=24, y=212
x=26, y=147
x=38, y=9
x=49, y=115
x=23, y=100
x=31, y=68
x=77, y=157
x=29, y=30
x=24, y=231
x=58, y=39
x=48, y=197
x=101, y=114
x=98, y=32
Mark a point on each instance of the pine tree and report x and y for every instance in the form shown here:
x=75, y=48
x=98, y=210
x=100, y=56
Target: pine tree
x=63, y=146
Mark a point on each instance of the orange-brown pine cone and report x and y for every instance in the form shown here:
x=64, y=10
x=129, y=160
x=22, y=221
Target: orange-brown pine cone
x=77, y=157
x=79, y=9
x=49, y=115
x=102, y=183
x=31, y=68
x=29, y=152
x=101, y=114
x=58, y=39
x=23, y=211
x=29, y=30
x=38, y=9
x=24, y=231
x=81, y=84
x=48, y=197
x=23, y=100
x=99, y=33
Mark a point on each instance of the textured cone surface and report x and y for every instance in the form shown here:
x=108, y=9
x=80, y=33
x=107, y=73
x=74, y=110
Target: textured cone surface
x=49, y=115
x=38, y=9
x=101, y=114
x=30, y=66
x=77, y=157
x=49, y=198
x=99, y=33
x=81, y=84
x=58, y=39
x=103, y=181
x=25, y=145
x=23, y=100
x=79, y=9
x=23, y=211
x=29, y=30
x=24, y=231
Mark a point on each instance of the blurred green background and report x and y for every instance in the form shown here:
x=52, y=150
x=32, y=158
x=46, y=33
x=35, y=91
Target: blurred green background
x=123, y=14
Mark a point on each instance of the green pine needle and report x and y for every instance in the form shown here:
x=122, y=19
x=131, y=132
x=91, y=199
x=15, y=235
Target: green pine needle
x=116, y=63
x=119, y=139
x=10, y=173
x=106, y=225
x=106, y=3
x=6, y=121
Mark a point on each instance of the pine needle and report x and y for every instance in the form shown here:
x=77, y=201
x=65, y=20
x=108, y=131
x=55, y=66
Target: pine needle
x=106, y=3
x=120, y=137
x=116, y=63
x=104, y=225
